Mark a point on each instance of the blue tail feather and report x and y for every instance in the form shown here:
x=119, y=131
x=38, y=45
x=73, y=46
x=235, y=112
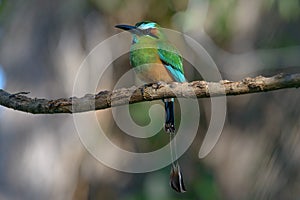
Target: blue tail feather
x=169, y=107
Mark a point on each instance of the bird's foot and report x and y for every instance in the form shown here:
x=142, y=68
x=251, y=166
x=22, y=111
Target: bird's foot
x=158, y=85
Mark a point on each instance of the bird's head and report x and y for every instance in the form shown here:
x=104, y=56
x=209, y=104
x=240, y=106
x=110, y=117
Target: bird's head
x=143, y=29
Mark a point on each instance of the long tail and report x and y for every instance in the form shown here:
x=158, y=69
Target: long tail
x=176, y=178
x=169, y=107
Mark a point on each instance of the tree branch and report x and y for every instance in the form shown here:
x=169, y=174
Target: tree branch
x=150, y=92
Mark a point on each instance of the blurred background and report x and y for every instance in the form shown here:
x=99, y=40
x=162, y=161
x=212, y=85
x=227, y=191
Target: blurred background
x=43, y=43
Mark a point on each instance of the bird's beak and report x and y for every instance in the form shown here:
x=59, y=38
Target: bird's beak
x=131, y=29
x=125, y=27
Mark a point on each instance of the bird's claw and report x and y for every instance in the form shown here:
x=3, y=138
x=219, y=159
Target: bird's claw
x=157, y=85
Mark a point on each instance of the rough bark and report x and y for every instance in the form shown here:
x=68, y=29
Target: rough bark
x=105, y=99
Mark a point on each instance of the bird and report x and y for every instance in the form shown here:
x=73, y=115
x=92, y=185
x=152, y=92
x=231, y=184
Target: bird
x=155, y=60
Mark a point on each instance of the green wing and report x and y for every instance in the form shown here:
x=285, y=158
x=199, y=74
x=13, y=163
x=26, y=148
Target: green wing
x=172, y=59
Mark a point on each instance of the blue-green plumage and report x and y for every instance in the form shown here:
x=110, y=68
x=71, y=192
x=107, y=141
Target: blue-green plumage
x=155, y=59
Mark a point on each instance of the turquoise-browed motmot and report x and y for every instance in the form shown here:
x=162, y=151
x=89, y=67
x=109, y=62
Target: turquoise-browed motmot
x=154, y=60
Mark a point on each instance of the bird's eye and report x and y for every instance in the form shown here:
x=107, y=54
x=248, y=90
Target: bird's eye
x=149, y=32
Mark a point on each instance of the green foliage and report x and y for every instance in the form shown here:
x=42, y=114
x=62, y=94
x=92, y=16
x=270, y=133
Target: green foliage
x=288, y=9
